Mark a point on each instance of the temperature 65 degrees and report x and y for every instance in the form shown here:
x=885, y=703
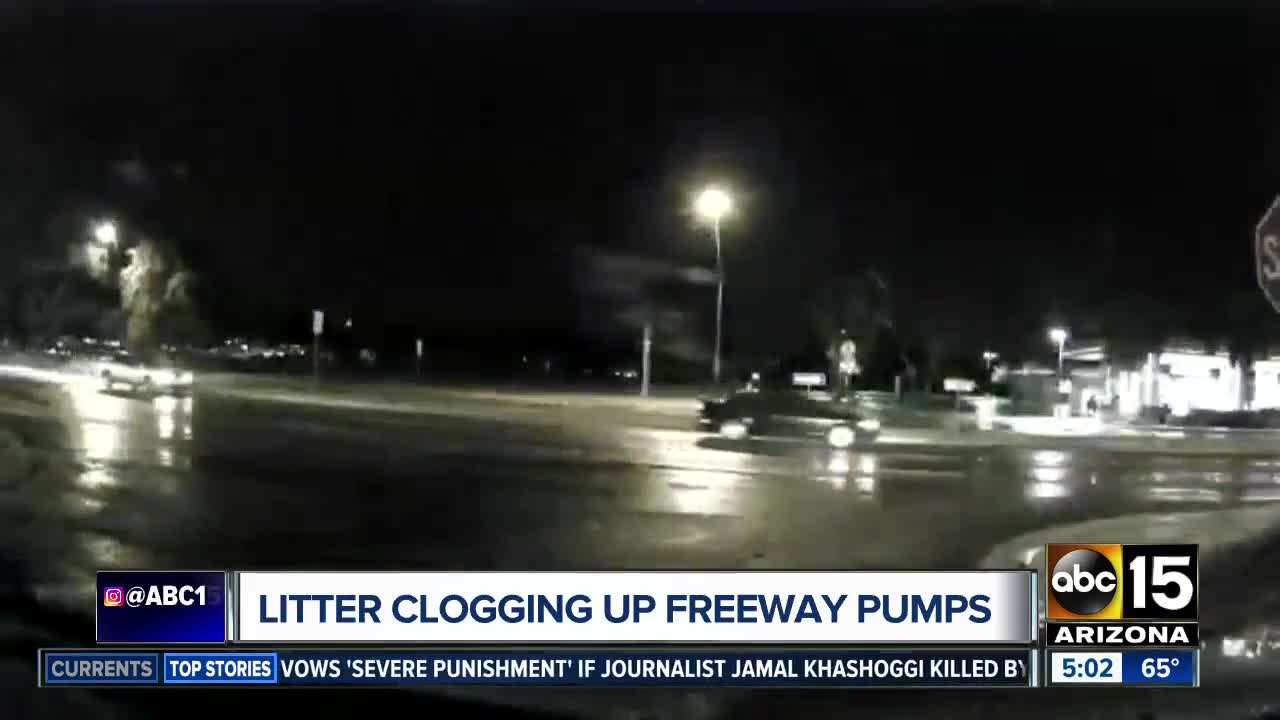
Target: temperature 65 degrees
x=1159, y=667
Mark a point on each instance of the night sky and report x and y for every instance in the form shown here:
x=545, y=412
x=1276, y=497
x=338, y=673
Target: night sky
x=439, y=169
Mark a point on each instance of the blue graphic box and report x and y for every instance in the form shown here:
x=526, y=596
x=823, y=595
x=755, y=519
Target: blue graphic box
x=161, y=606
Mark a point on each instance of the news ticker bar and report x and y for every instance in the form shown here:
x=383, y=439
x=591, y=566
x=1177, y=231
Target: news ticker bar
x=791, y=668
x=1166, y=668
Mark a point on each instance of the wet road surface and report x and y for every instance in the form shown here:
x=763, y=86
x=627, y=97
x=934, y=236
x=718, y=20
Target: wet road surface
x=101, y=480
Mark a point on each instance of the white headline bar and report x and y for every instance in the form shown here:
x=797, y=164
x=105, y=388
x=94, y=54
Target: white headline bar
x=636, y=607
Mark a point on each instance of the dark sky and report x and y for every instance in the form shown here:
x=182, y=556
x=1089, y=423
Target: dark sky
x=437, y=169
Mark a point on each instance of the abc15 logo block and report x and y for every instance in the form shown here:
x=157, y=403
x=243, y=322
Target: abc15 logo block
x=1123, y=582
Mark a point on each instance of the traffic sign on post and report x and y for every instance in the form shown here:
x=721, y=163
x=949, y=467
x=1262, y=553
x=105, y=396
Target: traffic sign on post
x=1266, y=251
x=848, y=350
x=317, y=327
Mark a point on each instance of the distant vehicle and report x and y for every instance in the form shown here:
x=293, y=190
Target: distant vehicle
x=133, y=373
x=786, y=413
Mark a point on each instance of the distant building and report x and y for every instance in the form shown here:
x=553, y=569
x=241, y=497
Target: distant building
x=1182, y=376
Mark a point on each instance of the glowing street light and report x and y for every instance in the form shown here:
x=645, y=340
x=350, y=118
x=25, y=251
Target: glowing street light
x=1059, y=337
x=989, y=357
x=711, y=205
x=105, y=232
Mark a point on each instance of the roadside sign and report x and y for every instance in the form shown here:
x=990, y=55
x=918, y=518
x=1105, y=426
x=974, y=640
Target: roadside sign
x=848, y=352
x=1266, y=251
x=959, y=385
x=808, y=379
x=317, y=322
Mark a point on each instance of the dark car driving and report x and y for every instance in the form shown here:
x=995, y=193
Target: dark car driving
x=790, y=413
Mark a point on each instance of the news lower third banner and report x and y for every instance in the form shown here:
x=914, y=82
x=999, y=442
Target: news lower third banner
x=845, y=608
x=514, y=608
x=582, y=667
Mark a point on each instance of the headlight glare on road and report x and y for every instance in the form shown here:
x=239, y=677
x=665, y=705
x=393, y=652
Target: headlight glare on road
x=733, y=429
x=869, y=425
x=841, y=436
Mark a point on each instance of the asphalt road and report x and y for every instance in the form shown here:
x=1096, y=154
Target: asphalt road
x=94, y=480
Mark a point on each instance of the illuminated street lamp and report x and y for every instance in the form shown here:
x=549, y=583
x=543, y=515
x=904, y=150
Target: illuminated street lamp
x=989, y=357
x=104, y=233
x=711, y=205
x=1059, y=337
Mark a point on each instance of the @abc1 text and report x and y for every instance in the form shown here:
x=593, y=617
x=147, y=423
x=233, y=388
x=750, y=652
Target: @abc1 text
x=1112, y=594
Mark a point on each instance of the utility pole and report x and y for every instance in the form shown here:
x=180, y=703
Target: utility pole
x=317, y=327
x=646, y=345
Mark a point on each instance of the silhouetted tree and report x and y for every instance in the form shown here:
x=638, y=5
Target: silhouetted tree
x=1133, y=325
x=856, y=305
x=1251, y=326
x=49, y=303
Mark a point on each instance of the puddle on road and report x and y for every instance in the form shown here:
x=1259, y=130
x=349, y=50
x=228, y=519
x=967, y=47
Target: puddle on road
x=1111, y=482
x=109, y=473
x=702, y=492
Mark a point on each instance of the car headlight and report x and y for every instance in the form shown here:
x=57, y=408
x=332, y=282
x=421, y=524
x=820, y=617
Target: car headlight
x=733, y=429
x=869, y=425
x=841, y=436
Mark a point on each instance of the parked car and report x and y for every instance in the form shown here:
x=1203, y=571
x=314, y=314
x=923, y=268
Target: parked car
x=786, y=413
x=125, y=370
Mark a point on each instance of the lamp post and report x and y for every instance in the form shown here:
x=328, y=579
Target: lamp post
x=711, y=205
x=1059, y=337
x=105, y=233
x=101, y=245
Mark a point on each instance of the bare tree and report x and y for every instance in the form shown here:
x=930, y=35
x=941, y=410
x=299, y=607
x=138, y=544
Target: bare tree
x=857, y=306
x=49, y=303
x=1133, y=325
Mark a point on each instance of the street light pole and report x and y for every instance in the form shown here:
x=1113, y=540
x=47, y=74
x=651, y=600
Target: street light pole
x=317, y=327
x=645, y=365
x=1059, y=336
x=715, y=362
x=105, y=233
x=711, y=205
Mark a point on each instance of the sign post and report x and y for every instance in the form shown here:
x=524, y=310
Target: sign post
x=647, y=345
x=417, y=362
x=1266, y=251
x=958, y=387
x=808, y=380
x=848, y=365
x=317, y=328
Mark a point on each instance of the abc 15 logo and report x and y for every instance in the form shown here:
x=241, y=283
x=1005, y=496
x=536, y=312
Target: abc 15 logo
x=1123, y=582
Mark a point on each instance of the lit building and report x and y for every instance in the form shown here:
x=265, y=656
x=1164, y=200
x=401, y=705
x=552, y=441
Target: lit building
x=1266, y=383
x=1182, y=376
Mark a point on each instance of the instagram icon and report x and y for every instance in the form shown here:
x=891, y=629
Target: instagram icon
x=112, y=597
